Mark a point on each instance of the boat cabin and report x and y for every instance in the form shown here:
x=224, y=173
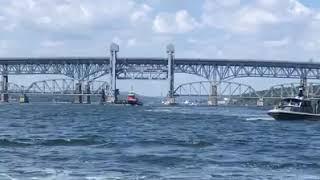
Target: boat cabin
x=132, y=99
x=132, y=96
x=296, y=105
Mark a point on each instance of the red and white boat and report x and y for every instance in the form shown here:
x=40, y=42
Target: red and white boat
x=133, y=100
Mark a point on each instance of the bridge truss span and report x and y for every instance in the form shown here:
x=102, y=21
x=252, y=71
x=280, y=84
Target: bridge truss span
x=223, y=89
x=67, y=87
x=227, y=69
x=13, y=87
x=83, y=68
x=77, y=68
x=312, y=90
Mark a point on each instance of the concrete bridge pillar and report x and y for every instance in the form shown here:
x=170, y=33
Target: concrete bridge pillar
x=87, y=97
x=310, y=91
x=23, y=99
x=114, y=49
x=170, y=98
x=78, y=92
x=213, y=97
x=103, y=97
x=4, y=90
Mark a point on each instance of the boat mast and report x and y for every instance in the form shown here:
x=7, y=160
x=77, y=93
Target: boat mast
x=303, y=85
x=131, y=91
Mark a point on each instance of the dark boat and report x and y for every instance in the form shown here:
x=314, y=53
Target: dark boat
x=298, y=108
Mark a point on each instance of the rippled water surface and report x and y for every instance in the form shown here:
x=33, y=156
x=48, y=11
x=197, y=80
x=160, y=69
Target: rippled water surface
x=62, y=141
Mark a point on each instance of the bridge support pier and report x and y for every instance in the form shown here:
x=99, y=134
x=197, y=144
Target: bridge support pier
x=213, y=97
x=114, y=49
x=23, y=99
x=103, y=97
x=4, y=94
x=170, y=98
x=78, y=92
x=87, y=97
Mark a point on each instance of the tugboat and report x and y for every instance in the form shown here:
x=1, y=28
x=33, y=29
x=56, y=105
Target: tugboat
x=298, y=108
x=133, y=100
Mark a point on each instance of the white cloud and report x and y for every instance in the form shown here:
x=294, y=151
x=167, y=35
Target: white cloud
x=132, y=42
x=6, y=25
x=141, y=14
x=192, y=40
x=311, y=45
x=230, y=28
x=4, y=45
x=10, y=27
x=261, y=29
x=117, y=40
x=317, y=16
x=213, y=4
x=252, y=19
x=249, y=18
x=67, y=14
x=298, y=9
x=52, y=44
x=180, y=22
x=268, y=3
x=277, y=43
x=185, y=22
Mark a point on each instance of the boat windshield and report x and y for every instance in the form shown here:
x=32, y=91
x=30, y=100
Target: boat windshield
x=290, y=103
x=131, y=94
x=296, y=105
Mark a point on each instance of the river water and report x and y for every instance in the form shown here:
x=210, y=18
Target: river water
x=94, y=142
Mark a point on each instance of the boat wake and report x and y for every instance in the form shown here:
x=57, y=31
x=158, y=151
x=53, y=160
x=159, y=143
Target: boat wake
x=6, y=176
x=259, y=119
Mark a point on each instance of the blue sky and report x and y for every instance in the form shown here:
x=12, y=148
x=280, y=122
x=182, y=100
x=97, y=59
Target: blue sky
x=255, y=29
x=311, y=3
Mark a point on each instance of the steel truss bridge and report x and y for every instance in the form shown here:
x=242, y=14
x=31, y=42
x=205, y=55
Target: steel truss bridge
x=191, y=91
x=234, y=90
x=145, y=68
x=60, y=87
x=82, y=68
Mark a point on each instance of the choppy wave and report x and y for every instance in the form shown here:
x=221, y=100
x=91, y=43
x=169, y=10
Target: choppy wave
x=4, y=176
x=68, y=142
x=158, y=160
x=51, y=142
x=101, y=142
x=12, y=143
x=182, y=143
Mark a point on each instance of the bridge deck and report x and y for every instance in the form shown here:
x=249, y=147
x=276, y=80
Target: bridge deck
x=159, y=61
